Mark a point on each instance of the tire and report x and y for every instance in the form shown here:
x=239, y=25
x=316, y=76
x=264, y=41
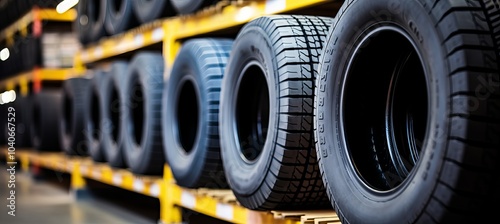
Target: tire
x=23, y=106
x=191, y=112
x=72, y=121
x=119, y=16
x=141, y=121
x=190, y=6
x=112, y=95
x=276, y=169
x=82, y=22
x=97, y=19
x=93, y=114
x=46, y=114
x=150, y=10
x=424, y=144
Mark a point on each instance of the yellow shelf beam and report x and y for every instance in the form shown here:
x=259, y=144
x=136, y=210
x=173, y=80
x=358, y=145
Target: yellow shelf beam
x=35, y=15
x=172, y=197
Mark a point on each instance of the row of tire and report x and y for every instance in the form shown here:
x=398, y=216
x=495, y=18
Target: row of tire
x=389, y=119
x=24, y=55
x=97, y=19
x=12, y=10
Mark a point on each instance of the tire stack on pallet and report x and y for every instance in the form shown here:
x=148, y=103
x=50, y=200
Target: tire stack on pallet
x=387, y=111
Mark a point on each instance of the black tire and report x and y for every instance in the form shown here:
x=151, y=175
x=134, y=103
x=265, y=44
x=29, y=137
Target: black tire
x=266, y=114
x=119, y=16
x=141, y=122
x=112, y=95
x=150, y=10
x=96, y=11
x=82, y=22
x=190, y=6
x=424, y=146
x=191, y=113
x=23, y=107
x=72, y=122
x=93, y=114
x=46, y=114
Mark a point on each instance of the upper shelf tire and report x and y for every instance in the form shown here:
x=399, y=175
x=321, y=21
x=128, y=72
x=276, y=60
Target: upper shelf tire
x=149, y=10
x=190, y=6
x=119, y=16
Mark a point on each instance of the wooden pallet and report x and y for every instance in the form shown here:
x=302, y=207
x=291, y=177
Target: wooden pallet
x=309, y=217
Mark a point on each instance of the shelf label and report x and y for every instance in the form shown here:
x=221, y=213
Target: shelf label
x=273, y=6
x=138, y=185
x=117, y=179
x=154, y=190
x=224, y=211
x=157, y=34
x=96, y=174
x=84, y=170
x=188, y=200
x=139, y=40
x=98, y=52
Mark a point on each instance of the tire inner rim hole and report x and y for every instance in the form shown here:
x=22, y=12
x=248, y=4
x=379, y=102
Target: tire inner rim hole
x=68, y=115
x=385, y=108
x=252, y=112
x=95, y=11
x=95, y=116
x=187, y=116
x=137, y=112
x=117, y=5
x=114, y=114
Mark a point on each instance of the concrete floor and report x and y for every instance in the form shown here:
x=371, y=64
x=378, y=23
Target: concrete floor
x=43, y=201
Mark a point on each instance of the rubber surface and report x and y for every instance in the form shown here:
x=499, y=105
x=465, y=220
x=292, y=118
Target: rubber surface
x=190, y=6
x=285, y=175
x=149, y=10
x=190, y=115
x=72, y=121
x=456, y=179
x=96, y=11
x=93, y=123
x=119, y=16
x=141, y=121
x=111, y=94
x=82, y=22
x=46, y=115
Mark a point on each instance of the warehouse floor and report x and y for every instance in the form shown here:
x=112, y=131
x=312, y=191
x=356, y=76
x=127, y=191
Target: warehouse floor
x=44, y=201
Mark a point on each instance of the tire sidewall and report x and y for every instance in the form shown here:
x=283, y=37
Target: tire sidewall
x=185, y=69
x=353, y=200
x=252, y=44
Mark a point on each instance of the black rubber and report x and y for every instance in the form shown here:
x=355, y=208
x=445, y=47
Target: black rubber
x=72, y=122
x=190, y=6
x=46, y=115
x=111, y=94
x=190, y=113
x=96, y=11
x=150, y=10
x=451, y=98
x=93, y=114
x=23, y=106
x=266, y=114
x=141, y=121
x=119, y=16
x=82, y=22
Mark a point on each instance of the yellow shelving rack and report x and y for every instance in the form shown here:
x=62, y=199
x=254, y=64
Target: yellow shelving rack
x=36, y=16
x=220, y=204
